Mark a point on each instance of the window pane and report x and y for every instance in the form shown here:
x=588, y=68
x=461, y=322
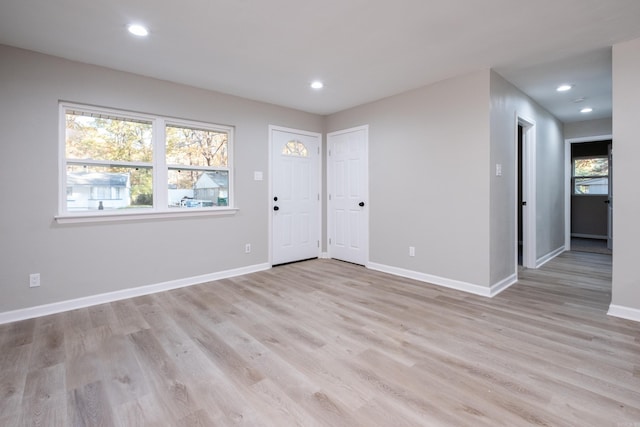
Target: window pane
x=107, y=138
x=196, y=147
x=591, y=185
x=198, y=189
x=295, y=148
x=92, y=188
x=597, y=166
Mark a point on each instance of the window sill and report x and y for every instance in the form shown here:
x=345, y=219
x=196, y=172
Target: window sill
x=142, y=216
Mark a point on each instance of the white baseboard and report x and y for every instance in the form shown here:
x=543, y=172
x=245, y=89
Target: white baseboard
x=502, y=285
x=548, y=257
x=434, y=280
x=624, y=312
x=324, y=255
x=58, y=307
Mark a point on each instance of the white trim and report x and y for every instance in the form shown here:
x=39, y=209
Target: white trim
x=548, y=257
x=160, y=171
x=624, y=312
x=503, y=284
x=529, y=195
x=270, y=184
x=58, y=307
x=138, y=216
x=439, y=281
x=567, y=180
x=117, y=163
x=324, y=255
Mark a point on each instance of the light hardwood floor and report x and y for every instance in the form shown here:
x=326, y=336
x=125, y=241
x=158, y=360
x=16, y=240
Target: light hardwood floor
x=325, y=343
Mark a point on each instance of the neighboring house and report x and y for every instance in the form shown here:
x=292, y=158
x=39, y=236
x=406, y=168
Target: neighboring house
x=177, y=196
x=211, y=189
x=598, y=186
x=212, y=186
x=89, y=190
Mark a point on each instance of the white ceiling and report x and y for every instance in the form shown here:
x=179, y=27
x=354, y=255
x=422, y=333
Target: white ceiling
x=362, y=49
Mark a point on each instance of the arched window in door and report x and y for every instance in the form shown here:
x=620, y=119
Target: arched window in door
x=295, y=148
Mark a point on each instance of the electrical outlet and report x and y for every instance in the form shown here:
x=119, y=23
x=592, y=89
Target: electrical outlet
x=412, y=251
x=247, y=248
x=34, y=280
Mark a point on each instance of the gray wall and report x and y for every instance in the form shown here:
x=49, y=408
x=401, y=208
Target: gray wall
x=432, y=156
x=83, y=260
x=428, y=154
x=626, y=212
x=508, y=102
x=588, y=128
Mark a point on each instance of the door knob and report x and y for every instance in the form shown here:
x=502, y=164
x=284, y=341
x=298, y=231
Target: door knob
x=524, y=203
x=361, y=204
x=607, y=201
x=275, y=208
x=275, y=199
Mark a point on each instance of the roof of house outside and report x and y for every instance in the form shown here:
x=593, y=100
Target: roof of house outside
x=95, y=179
x=213, y=180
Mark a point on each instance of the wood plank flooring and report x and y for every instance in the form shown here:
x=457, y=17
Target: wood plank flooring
x=326, y=343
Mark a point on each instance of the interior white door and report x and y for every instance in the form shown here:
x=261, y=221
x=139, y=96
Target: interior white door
x=295, y=195
x=348, y=189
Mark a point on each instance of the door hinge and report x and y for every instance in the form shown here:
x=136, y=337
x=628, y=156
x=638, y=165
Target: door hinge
x=329, y=152
x=318, y=243
x=318, y=150
x=329, y=196
x=329, y=240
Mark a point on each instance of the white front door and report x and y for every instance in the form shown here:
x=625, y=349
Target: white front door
x=348, y=191
x=295, y=195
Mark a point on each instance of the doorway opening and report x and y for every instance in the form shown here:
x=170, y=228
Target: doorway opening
x=520, y=197
x=525, y=242
x=590, y=193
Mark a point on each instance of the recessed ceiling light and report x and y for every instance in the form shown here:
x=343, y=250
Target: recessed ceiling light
x=317, y=85
x=586, y=110
x=138, y=30
x=564, y=88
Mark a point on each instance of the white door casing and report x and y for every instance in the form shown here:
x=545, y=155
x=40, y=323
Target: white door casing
x=610, y=202
x=295, y=194
x=348, y=195
x=569, y=189
x=529, y=257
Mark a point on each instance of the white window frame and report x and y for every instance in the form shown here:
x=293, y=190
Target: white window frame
x=574, y=177
x=159, y=167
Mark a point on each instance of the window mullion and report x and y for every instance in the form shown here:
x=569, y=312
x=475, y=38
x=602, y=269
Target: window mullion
x=196, y=168
x=109, y=163
x=62, y=161
x=160, y=175
x=230, y=196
